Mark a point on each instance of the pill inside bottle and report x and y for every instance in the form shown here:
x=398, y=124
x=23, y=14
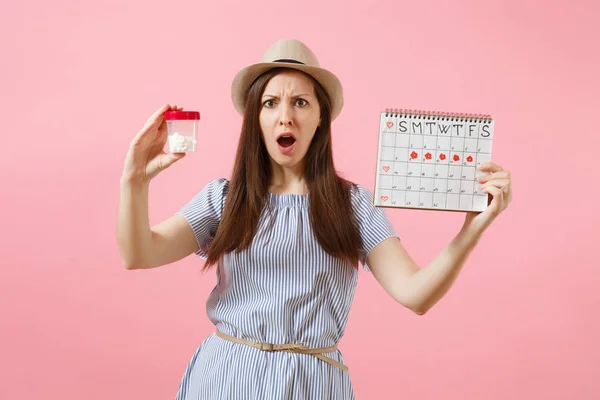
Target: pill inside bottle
x=182, y=128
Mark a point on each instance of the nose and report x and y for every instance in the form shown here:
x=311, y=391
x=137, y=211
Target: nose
x=285, y=115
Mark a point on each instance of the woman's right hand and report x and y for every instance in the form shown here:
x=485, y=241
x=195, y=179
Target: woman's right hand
x=146, y=157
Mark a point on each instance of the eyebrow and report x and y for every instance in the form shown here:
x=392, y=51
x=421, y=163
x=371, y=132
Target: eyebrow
x=293, y=97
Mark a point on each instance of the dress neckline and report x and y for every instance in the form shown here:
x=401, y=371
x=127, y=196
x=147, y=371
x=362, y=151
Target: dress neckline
x=290, y=199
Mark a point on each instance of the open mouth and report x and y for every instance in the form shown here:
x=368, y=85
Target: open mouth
x=286, y=141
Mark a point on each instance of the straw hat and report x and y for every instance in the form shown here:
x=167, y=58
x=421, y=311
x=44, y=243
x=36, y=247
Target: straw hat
x=293, y=54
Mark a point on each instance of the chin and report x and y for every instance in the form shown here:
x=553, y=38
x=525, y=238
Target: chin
x=286, y=161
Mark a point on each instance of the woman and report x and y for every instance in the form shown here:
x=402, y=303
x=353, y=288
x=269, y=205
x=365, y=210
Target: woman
x=287, y=234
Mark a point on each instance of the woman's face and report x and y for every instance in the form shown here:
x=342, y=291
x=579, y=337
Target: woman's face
x=289, y=117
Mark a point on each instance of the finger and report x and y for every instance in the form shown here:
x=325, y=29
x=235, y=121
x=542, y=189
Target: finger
x=162, y=126
x=176, y=107
x=161, y=162
x=156, y=118
x=151, y=122
x=497, y=196
x=494, y=175
x=499, y=183
x=489, y=166
x=170, y=158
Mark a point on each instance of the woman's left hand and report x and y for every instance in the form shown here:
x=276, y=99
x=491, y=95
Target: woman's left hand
x=496, y=183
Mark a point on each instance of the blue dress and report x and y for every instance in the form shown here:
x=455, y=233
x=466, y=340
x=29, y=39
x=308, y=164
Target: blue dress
x=284, y=289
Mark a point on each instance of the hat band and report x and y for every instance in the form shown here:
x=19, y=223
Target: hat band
x=287, y=60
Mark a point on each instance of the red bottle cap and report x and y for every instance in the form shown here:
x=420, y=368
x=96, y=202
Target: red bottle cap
x=176, y=115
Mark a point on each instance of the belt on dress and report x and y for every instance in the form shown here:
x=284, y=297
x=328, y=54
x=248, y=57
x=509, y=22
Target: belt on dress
x=289, y=348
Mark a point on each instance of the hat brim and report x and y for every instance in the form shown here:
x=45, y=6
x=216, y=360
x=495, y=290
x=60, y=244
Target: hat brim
x=245, y=77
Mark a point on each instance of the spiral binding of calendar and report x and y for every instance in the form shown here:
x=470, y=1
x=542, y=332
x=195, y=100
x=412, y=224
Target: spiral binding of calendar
x=437, y=115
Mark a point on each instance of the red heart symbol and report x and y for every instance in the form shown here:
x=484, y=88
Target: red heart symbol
x=386, y=168
x=384, y=198
x=390, y=124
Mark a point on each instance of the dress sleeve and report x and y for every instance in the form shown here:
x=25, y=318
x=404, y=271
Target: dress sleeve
x=204, y=211
x=373, y=222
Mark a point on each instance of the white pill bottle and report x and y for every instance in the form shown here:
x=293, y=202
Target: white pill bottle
x=182, y=127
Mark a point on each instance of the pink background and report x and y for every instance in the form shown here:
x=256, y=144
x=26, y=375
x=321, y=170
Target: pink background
x=80, y=78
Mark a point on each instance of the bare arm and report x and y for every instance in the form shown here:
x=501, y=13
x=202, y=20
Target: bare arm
x=416, y=288
x=420, y=289
x=142, y=246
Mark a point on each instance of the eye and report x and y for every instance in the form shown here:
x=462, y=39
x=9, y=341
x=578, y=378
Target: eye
x=302, y=101
x=268, y=103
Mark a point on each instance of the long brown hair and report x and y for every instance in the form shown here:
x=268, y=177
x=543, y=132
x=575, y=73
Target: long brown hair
x=331, y=214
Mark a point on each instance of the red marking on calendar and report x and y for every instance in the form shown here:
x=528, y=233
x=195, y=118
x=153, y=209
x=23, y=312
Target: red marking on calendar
x=386, y=168
x=390, y=124
x=414, y=155
x=428, y=156
x=442, y=156
x=470, y=159
x=384, y=198
x=456, y=157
